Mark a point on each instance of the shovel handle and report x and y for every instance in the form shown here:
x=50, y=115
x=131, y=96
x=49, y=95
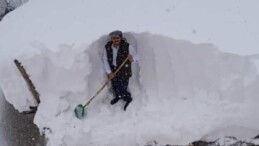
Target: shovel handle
x=117, y=70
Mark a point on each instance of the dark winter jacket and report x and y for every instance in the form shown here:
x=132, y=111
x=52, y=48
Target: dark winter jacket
x=123, y=52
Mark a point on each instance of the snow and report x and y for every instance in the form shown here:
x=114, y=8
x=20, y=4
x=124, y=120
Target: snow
x=183, y=91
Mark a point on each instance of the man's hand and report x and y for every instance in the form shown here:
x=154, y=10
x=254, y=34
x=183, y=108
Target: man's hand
x=130, y=58
x=111, y=76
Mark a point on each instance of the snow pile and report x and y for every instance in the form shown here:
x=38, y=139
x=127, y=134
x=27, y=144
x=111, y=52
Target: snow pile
x=181, y=91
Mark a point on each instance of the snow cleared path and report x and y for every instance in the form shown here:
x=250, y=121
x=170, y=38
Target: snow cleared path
x=16, y=128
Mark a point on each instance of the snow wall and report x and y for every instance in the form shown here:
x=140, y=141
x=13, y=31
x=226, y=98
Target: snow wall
x=181, y=92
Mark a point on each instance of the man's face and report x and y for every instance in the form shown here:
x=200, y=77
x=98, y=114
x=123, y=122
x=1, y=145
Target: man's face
x=116, y=40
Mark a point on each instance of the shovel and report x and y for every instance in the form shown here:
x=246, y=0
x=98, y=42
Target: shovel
x=80, y=110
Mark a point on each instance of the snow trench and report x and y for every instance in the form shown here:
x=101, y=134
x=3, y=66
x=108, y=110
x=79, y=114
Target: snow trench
x=181, y=92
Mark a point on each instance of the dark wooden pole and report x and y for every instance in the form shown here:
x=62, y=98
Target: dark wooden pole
x=29, y=83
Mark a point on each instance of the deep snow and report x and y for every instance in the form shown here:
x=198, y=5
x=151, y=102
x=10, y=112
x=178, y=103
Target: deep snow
x=182, y=91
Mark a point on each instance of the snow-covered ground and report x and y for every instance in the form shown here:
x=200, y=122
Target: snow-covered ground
x=183, y=91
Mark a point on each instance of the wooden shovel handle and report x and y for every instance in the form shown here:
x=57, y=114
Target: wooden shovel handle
x=117, y=70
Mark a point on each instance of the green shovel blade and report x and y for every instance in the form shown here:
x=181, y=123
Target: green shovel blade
x=80, y=111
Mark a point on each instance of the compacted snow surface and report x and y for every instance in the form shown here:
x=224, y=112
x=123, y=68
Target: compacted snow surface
x=182, y=91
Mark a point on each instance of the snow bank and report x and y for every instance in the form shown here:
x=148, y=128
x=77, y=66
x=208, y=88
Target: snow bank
x=182, y=91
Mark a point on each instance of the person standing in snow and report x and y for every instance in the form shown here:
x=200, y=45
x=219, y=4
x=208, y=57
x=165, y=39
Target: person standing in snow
x=115, y=52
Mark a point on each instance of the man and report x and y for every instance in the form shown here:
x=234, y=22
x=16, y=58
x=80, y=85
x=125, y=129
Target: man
x=115, y=52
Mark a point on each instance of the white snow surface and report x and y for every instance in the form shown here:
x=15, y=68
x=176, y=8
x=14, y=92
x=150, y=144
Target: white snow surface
x=182, y=91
